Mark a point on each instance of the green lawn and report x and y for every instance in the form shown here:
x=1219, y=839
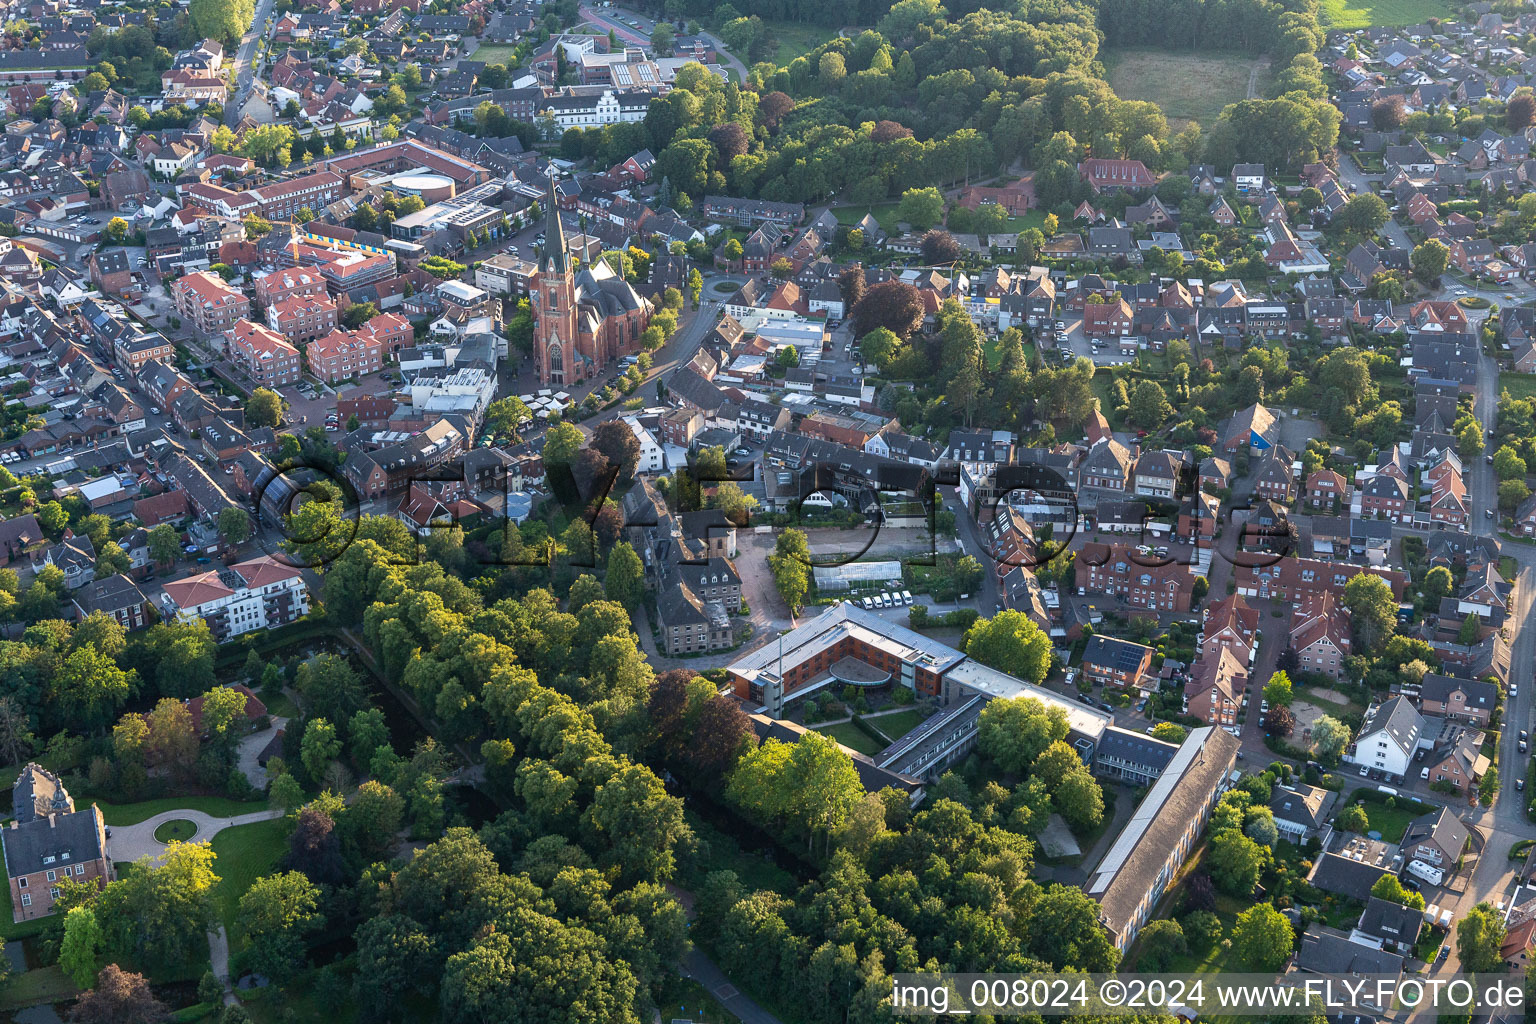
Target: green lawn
x=1166, y=78
x=39, y=985
x=1391, y=822
x=1350, y=14
x=795, y=39
x=495, y=53
x=243, y=854
x=175, y=830
x=218, y=806
x=1519, y=385
x=851, y=736
x=899, y=723
x=885, y=213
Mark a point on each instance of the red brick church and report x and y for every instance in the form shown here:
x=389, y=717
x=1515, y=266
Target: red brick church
x=582, y=321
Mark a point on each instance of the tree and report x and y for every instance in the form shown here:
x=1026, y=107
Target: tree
x=939, y=246
x=1262, y=938
x=1278, y=690
x=1079, y=799
x=82, y=942
x=1471, y=629
x=1387, y=114
x=1507, y=464
x=878, y=347
x=1429, y=260
x=1388, y=888
x=791, y=577
x=90, y=687
x=264, y=408
x=921, y=207
x=111, y=559
x=1149, y=405
x=285, y=792
x=732, y=250
x=810, y=785
x=1365, y=213
x=624, y=581
x=117, y=231
x=561, y=443
x=1520, y=110
x=617, y=442
x=164, y=544
x=1372, y=608
x=1235, y=862
x=158, y=915
x=1161, y=941
x=119, y=997
x=1064, y=931
x=1016, y=731
x=1488, y=786
x=1011, y=642
x=275, y=913
x=1329, y=738
x=319, y=747
x=1354, y=819
x=1170, y=732
x=234, y=525
x=662, y=37
x=1479, y=936
x=894, y=305
x=1437, y=584
x=1512, y=493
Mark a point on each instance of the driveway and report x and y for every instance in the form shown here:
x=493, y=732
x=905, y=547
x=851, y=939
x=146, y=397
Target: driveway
x=130, y=842
x=250, y=749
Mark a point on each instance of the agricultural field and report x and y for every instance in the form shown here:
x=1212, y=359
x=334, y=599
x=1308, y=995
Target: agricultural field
x=1187, y=86
x=1351, y=14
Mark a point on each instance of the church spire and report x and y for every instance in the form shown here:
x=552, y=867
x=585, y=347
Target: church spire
x=554, y=257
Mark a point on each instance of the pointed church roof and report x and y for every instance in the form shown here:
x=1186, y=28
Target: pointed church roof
x=554, y=257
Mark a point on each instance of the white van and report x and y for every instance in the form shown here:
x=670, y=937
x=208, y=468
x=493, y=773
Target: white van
x=869, y=603
x=1424, y=773
x=906, y=597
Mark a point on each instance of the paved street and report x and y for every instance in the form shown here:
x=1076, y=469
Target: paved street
x=243, y=63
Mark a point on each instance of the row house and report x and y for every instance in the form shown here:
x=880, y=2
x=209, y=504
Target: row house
x=1320, y=634
x=1232, y=624
x=1215, y=689
x=1385, y=497
x=1326, y=489
x=274, y=286
x=1276, y=479
x=1112, y=570
x=1292, y=579
x=1114, y=662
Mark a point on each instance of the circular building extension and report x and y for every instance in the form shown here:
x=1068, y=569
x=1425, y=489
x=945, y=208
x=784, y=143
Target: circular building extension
x=432, y=188
x=855, y=672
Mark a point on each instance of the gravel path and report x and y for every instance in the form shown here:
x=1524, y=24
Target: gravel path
x=130, y=842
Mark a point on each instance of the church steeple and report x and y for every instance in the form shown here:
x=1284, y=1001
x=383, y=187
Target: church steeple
x=554, y=257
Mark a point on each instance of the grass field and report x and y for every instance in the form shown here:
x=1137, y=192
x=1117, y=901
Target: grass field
x=1365, y=13
x=851, y=736
x=40, y=985
x=494, y=53
x=1187, y=86
x=1519, y=385
x=885, y=214
x=217, y=806
x=243, y=854
x=176, y=830
x=795, y=39
x=899, y=723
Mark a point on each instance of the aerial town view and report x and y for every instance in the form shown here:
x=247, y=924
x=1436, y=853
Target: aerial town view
x=648, y=512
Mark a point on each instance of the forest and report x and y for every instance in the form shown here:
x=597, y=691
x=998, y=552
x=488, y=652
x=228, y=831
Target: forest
x=934, y=95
